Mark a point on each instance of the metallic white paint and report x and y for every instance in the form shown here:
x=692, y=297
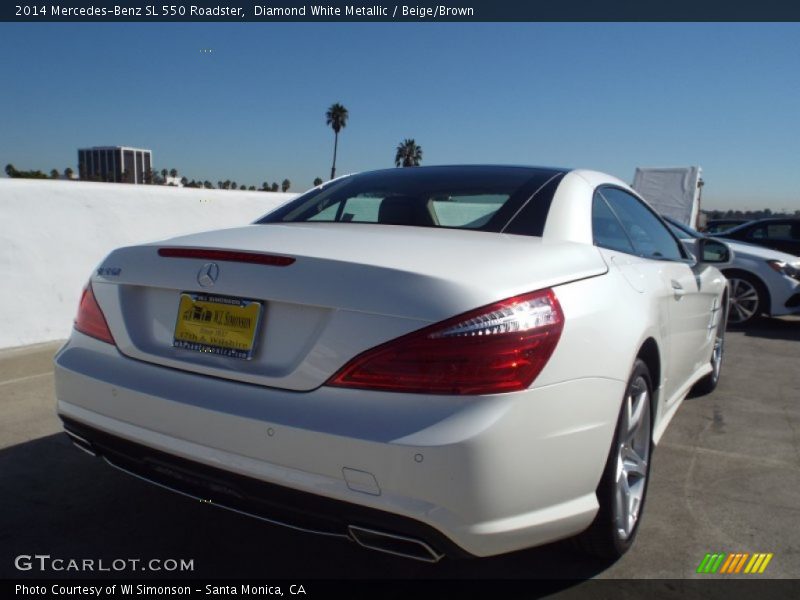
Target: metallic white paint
x=498, y=472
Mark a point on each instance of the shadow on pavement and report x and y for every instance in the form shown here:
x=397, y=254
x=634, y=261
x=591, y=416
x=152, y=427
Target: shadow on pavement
x=64, y=503
x=774, y=329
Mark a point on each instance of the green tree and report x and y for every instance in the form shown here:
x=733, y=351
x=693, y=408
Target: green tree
x=286, y=185
x=234, y=186
x=274, y=187
x=68, y=172
x=252, y=188
x=336, y=119
x=10, y=170
x=317, y=181
x=184, y=181
x=164, y=173
x=173, y=172
x=408, y=154
x=264, y=186
x=54, y=174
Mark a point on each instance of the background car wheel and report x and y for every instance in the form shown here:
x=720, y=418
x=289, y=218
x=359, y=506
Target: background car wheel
x=622, y=489
x=709, y=383
x=748, y=298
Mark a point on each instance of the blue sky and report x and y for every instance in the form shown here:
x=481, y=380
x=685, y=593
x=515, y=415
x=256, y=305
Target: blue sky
x=605, y=96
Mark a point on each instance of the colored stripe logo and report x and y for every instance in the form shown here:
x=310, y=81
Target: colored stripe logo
x=735, y=563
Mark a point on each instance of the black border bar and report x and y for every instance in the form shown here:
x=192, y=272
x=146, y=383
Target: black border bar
x=320, y=589
x=396, y=11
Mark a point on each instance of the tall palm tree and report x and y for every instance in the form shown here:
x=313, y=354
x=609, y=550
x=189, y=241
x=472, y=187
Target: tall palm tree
x=317, y=181
x=336, y=119
x=286, y=185
x=68, y=172
x=408, y=154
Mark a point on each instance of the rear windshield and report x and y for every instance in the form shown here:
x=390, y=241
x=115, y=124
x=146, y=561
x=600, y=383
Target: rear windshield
x=514, y=200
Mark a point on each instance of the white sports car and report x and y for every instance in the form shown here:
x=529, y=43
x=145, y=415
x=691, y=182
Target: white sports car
x=428, y=361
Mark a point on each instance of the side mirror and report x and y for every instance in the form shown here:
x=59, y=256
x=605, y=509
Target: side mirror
x=713, y=251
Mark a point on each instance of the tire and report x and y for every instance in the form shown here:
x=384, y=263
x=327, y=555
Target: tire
x=748, y=298
x=709, y=383
x=623, y=487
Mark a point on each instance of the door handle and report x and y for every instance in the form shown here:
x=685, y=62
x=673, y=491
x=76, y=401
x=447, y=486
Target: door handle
x=677, y=290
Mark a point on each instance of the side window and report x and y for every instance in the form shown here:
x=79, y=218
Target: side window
x=606, y=228
x=650, y=237
x=779, y=231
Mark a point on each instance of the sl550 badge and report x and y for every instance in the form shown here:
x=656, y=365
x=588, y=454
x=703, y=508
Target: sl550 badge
x=109, y=271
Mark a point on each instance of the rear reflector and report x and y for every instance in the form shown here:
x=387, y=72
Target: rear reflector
x=90, y=319
x=498, y=348
x=227, y=255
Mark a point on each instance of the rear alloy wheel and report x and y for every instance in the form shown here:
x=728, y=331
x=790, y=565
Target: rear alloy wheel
x=747, y=299
x=622, y=489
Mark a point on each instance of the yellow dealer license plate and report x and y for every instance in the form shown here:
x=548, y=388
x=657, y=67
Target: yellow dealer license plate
x=217, y=324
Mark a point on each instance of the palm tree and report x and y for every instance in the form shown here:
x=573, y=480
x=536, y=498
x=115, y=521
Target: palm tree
x=54, y=174
x=10, y=170
x=408, y=154
x=164, y=174
x=173, y=172
x=68, y=172
x=317, y=181
x=336, y=119
x=286, y=185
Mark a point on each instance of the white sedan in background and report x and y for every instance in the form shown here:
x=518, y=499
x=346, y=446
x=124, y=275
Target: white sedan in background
x=426, y=361
x=762, y=281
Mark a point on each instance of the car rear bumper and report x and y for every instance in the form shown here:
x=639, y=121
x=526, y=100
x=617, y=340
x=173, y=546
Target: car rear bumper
x=476, y=475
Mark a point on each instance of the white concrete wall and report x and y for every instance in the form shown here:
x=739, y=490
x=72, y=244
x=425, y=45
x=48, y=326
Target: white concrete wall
x=54, y=233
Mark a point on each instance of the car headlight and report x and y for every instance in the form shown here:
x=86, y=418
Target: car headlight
x=790, y=269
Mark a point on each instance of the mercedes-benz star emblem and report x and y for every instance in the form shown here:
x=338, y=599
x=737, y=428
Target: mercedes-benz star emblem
x=208, y=274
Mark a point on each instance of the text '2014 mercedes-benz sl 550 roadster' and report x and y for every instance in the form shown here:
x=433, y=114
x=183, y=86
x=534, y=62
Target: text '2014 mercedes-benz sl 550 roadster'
x=427, y=361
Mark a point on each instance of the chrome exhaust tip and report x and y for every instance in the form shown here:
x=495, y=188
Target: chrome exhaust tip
x=394, y=544
x=80, y=443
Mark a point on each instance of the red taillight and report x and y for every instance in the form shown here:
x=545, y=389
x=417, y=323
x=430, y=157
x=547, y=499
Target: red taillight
x=272, y=260
x=90, y=319
x=497, y=348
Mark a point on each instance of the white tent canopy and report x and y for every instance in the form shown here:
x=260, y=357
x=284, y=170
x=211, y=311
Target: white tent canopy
x=673, y=192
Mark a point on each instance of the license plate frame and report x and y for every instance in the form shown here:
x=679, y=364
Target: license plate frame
x=221, y=325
